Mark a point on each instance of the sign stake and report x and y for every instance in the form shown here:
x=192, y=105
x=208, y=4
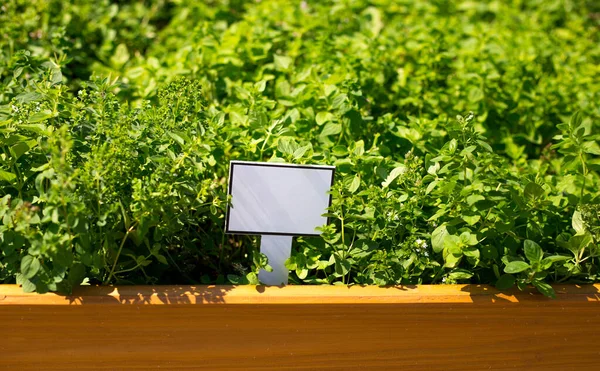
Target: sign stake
x=278, y=250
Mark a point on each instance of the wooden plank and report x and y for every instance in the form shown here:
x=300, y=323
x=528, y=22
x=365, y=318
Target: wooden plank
x=450, y=327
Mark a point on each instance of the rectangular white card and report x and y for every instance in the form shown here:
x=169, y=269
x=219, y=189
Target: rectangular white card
x=280, y=199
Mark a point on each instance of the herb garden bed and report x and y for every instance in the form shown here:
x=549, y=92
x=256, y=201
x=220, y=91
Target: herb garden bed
x=451, y=327
x=464, y=137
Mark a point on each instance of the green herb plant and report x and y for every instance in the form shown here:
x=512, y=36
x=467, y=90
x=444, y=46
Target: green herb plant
x=464, y=134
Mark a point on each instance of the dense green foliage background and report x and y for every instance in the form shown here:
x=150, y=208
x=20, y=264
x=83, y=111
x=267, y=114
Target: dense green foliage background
x=453, y=124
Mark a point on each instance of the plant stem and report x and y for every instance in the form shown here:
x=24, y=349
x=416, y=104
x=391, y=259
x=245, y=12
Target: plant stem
x=112, y=270
x=585, y=173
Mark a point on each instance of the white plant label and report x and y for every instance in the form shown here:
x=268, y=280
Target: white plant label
x=277, y=200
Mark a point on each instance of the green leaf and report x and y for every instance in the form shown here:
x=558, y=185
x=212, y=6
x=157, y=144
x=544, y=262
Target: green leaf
x=339, y=151
x=473, y=253
x=62, y=257
x=395, y=173
x=29, y=266
x=452, y=146
x=591, y=147
x=323, y=117
x=176, y=137
x=161, y=259
x=331, y=129
x=120, y=57
x=40, y=116
x=17, y=72
x=547, y=262
x=453, y=243
x=485, y=145
x=282, y=62
x=252, y=278
x=437, y=238
x=516, y=267
x=451, y=260
x=28, y=286
x=575, y=121
x=302, y=273
x=544, y=288
x=467, y=238
x=506, y=281
x=338, y=101
x=533, y=190
x=474, y=198
x=28, y=97
x=359, y=147
x=475, y=95
x=355, y=184
x=556, y=258
x=433, y=169
x=142, y=261
x=21, y=148
x=431, y=187
x=342, y=266
x=460, y=274
x=577, y=223
x=578, y=242
x=533, y=251
x=301, y=151
x=471, y=219
x=39, y=129
x=6, y=176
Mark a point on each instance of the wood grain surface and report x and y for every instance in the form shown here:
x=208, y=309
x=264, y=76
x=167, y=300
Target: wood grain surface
x=446, y=327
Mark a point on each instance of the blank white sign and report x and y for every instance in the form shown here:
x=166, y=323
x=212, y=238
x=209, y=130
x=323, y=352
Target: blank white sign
x=282, y=199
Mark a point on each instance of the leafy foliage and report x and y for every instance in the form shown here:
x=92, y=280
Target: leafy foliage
x=465, y=136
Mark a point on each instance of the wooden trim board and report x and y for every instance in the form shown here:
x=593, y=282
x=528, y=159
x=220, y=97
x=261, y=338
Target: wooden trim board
x=445, y=327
